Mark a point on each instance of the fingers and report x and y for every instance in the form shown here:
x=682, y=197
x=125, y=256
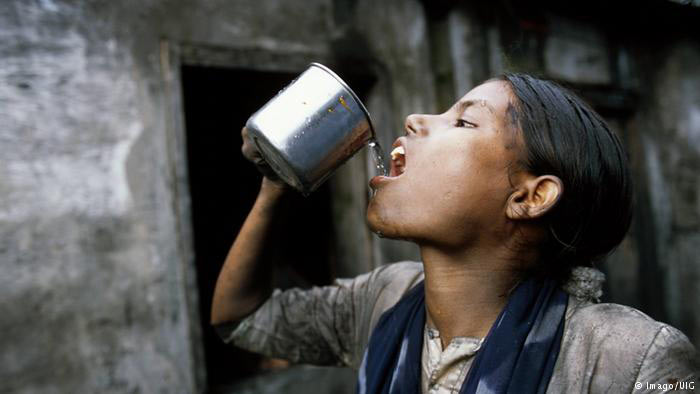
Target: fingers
x=249, y=149
x=251, y=153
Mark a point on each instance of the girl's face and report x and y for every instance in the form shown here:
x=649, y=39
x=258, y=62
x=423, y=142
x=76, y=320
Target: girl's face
x=451, y=186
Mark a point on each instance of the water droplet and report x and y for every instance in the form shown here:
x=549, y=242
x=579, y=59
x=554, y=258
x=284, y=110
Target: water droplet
x=377, y=156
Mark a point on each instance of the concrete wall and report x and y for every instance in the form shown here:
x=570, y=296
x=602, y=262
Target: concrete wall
x=97, y=288
x=668, y=145
x=92, y=297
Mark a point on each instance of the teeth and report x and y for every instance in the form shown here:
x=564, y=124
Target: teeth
x=399, y=150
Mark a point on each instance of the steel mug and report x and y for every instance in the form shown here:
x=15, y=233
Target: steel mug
x=310, y=128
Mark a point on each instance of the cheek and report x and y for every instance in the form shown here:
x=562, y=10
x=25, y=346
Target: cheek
x=445, y=173
x=448, y=189
x=468, y=180
x=433, y=189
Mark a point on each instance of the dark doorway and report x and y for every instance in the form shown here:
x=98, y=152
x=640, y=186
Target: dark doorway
x=223, y=187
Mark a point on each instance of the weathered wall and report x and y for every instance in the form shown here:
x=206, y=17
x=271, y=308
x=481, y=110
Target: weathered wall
x=669, y=169
x=92, y=296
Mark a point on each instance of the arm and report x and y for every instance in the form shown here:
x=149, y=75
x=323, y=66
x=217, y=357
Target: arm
x=327, y=325
x=245, y=280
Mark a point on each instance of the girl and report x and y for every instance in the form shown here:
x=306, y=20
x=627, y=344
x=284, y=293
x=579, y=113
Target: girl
x=511, y=195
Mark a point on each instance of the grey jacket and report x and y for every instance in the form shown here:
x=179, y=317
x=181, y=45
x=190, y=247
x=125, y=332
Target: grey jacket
x=605, y=347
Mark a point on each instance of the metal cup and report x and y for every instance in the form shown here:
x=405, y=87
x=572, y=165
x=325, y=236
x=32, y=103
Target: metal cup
x=310, y=128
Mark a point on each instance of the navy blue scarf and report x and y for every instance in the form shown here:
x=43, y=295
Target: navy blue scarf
x=517, y=355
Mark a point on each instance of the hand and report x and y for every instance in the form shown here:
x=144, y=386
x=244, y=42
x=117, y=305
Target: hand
x=250, y=152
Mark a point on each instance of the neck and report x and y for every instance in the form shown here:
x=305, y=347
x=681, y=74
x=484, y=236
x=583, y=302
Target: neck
x=465, y=291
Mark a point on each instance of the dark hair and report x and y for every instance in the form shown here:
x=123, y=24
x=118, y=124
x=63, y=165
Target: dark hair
x=565, y=137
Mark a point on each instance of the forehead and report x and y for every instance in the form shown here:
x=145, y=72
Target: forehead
x=493, y=96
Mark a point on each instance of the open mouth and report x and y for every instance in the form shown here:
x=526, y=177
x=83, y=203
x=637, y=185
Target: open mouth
x=398, y=164
x=398, y=161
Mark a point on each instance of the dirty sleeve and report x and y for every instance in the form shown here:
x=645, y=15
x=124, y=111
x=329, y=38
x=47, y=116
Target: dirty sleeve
x=328, y=325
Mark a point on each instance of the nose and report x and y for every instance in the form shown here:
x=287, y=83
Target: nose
x=415, y=124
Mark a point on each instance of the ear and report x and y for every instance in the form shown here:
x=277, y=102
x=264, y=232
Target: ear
x=534, y=197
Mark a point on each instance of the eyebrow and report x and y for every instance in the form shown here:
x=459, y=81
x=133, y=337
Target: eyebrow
x=464, y=104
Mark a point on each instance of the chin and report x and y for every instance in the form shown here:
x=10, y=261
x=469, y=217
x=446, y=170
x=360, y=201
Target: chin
x=373, y=220
x=379, y=221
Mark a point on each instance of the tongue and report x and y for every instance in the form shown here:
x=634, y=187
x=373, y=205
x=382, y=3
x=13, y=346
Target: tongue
x=397, y=168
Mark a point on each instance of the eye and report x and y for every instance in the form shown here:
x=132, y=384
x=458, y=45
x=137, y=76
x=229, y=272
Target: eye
x=464, y=123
